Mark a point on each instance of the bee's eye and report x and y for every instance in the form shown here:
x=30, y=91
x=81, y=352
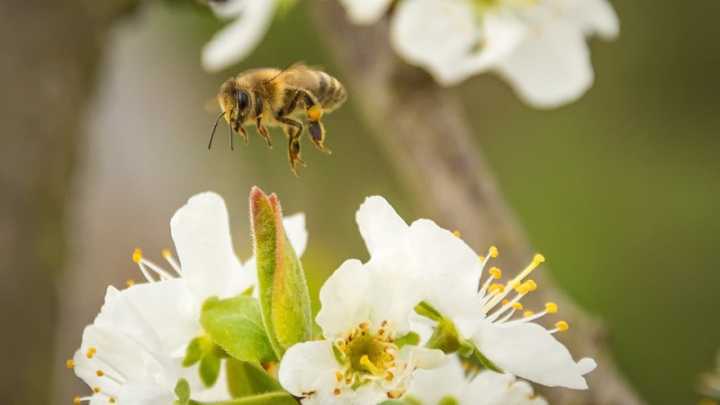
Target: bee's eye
x=243, y=101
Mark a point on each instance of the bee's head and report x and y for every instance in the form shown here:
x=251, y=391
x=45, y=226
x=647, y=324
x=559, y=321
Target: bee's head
x=235, y=103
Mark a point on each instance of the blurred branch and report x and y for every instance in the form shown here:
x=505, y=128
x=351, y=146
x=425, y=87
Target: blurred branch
x=51, y=51
x=425, y=134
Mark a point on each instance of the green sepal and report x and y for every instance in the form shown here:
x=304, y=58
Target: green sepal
x=410, y=338
x=246, y=378
x=428, y=311
x=235, y=324
x=445, y=337
x=196, y=349
x=209, y=369
x=182, y=391
x=283, y=290
x=480, y=360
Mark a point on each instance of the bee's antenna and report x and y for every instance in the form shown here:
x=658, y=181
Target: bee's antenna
x=230, y=136
x=212, y=134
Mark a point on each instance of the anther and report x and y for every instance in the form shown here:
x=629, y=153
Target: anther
x=91, y=352
x=456, y=233
x=129, y=282
x=528, y=314
x=551, y=308
x=70, y=363
x=538, y=258
x=517, y=306
x=337, y=392
x=496, y=288
x=96, y=390
x=562, y=326
x=100, y=373
x=495, y=272
x=166, y=253
x=77, y=400
x=338, y=376
x=137, y=255
x=395, y=394
x=493, y=252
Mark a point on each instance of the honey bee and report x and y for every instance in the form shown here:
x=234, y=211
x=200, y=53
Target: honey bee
x=270, y=97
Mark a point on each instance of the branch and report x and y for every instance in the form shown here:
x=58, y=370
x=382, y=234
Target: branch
x=422, y=129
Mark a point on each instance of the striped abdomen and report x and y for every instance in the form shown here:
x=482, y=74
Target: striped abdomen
x=328, y=91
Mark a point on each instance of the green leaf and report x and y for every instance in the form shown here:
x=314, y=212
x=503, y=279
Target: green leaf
x=428, y=311
x=284, y=296
x=245, y=378
x=209, y=369
x=235, y=324
x=182, y=390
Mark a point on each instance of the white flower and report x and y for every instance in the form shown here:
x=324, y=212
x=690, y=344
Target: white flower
x=358, y=362
x=451, y=384
x=366, y=11
x=240, y=37
x=446, y=272
x=149, y=325
x=538, y=46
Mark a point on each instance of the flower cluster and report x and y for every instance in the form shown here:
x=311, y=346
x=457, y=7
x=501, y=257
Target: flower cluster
x=423, y=320
x=538, y=46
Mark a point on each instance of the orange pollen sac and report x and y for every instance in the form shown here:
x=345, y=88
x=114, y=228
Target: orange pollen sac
x=336, y=392
x=100, y=373
x=77, y=400
x=70, y=363
x=91, y=352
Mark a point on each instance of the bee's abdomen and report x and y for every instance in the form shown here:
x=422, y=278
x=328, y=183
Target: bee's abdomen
x=330, y=93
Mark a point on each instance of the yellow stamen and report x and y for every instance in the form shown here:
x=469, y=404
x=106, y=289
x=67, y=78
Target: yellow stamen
x=395, y=394
x=551, y=307
x=493, y=252
x=91, y=352
x=518, y=306
x=137, y=255
x=338, y=376
x=496, y=288
x=166, y=253
x=129, y=282
x=70, y=363
x=481, y=258
x=337, y=392
x=369, y=366
x=100, y=373
x=77, y=400
x=526, y=287
x=528, y=314
x=96, y=390
x=562, y=326
x=456, y=233
x=495, y=272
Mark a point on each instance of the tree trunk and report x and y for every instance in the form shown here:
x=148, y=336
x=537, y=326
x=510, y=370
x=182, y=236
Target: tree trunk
x=50, y=53
x=424, y=133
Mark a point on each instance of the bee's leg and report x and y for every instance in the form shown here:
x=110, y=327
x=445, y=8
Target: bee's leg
x=315, y=127
x=239, y=129
x=293, y=129
x=264, y=132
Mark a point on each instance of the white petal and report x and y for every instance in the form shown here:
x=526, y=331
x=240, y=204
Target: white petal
x=596, y=17
x=144, y=394
x=423, y=358
x=431, y=386
x=228, y=8
x=531, y=352
x=296, y=232
x=240, y=37
x=379, y=224
x=201, y=232
x=551, y=67
x=171, y=310
x=448, y=268
x=344, y=299
x=436, y=35
x=490, y=388
x=308, y=367
x=365, y=11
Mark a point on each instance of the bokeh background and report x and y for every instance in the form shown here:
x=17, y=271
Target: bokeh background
x=619, y=190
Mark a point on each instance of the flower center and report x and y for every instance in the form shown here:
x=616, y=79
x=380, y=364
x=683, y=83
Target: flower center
x=370, y=357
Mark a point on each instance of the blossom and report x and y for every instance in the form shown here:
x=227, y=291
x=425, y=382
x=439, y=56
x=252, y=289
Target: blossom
x=240, y=37
x=537, y=46
x=448, y=275
x=360, y=360
x=450, y=384
x=135, y=346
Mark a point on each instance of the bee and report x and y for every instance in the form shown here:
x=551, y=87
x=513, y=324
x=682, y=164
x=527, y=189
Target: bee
x=270, y=97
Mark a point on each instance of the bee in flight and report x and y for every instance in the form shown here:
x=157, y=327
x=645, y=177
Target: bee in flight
x=269, y=97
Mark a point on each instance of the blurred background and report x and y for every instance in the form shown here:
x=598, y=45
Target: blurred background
x=105, y=120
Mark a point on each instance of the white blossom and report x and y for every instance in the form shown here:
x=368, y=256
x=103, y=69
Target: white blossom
x=133, y=350
x=252, y=19
x=359, y=361
x=449, y=276
x=538, y=46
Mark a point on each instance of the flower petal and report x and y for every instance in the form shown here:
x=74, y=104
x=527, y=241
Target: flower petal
x=344, y=299
x=596, y=17
x=201, y=232
x=551, y=67
x=240, y=37
x=365, y=11
x=490, y=388
x=433, y=385
x=531, y=352
x=447, y=267
x=296, y=232
x=228, y=8
x=308, y=367
x=379, y=224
